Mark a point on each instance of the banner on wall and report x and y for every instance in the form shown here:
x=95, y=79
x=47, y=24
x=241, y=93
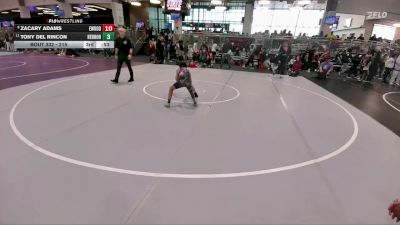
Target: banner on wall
x=376, y=15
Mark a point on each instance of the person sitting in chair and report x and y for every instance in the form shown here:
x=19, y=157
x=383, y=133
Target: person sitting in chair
x=325, y=69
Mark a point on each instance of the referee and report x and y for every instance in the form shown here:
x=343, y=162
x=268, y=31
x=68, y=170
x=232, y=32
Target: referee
x=123, y=53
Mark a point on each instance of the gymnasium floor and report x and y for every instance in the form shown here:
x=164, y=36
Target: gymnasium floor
x=76, y=149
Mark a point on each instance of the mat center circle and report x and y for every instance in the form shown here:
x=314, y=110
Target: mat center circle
x=209, y=92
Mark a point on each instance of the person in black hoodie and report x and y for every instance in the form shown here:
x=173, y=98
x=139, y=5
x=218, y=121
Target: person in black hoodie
x=160, y=50
x=283, y=58
x=374, y=67
x=354, y=66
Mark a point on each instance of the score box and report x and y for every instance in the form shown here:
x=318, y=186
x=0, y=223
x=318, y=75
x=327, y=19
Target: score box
x=108, y=28
x=104, y=44
x=108, y=36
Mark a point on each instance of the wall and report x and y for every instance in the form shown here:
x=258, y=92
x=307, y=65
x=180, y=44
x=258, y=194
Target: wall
x=6, y=5
x=140, y=13
x=369, y=26
x=355, y=31
x=363, y=6
x=358, y=21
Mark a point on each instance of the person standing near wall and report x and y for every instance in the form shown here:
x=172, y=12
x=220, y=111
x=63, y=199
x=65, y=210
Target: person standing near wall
x=11, y=39
x=214, y=51
x=226, y=51
x=396, y=72
x=374, y=66
x=283, y=58
x=389, y=66
x=160, y=50
x=8, y=43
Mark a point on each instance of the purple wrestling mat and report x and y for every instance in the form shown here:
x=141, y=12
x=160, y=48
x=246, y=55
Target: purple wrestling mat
x=23, y=69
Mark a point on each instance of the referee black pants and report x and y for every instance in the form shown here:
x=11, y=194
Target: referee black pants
x=121, y=60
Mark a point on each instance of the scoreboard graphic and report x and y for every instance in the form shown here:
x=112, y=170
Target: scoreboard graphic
x=86, y=33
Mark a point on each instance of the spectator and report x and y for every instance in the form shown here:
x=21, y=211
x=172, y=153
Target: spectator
x=325, y=55
x=214, y=49
x=351, y=37
x=361, y=37
x=345, y=61
x=381, y=66
x=195, y=51
x=331, y=37
x=296, y=67
x=243, y=57
x=2, y=39
x=160, y=50
x=365, y=62
x=396, y=72
x=261, y=59
x=8, y=41
x=203, y=55
x=283, y=58
x=190, y=53
x=374, y=66
x=179, y=51
x=152, y=33
x=172, y=51
x=325, y=69
x=389, y=66
x=152, y=50
x=373, y=38
x=226, y=51
x=355, y=63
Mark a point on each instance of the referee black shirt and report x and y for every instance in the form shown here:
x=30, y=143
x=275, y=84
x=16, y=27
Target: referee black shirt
x=123, y=45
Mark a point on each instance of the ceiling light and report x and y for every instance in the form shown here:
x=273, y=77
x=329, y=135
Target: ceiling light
x=40, y=13
x=304, y=2
x=95, y=6
x=85, y=13
x=220, y=8
x=216, y=2
x=155, y=2
x=91, y=10
x=49, y=13
x=79, y=9
x=264, y=2
x=43, y=8
x=5, y=12
x=15, y=10
x=135, y=3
